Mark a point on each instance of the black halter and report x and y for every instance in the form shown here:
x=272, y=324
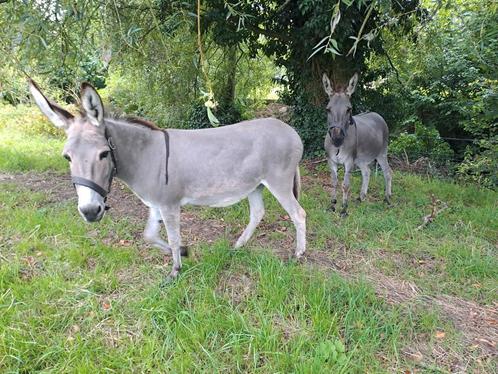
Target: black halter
x=352, y=122
x=94, y=186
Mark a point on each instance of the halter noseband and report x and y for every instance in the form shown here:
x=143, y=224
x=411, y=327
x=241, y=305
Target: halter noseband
x=352, y=122
x=94, y=186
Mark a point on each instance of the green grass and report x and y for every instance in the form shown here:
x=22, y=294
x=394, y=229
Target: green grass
x=75, y=298
x=20, y=152
x=53, y=313
x=28, y=141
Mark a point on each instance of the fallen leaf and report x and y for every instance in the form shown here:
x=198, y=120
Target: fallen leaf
x=30, y=260
x=125, y=243
x=106, y=305
x=416, y=356
x=440, y=334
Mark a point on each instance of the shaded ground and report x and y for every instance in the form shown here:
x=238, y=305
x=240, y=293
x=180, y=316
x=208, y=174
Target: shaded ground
x=477, y=323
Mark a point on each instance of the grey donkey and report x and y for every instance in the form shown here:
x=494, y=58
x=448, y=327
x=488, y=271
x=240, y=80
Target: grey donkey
x=353, y=140
x=168, y=169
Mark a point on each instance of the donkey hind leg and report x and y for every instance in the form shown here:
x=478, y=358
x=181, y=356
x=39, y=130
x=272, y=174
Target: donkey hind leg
x=256, y=211
x=171, y=219
x=333, y=176
x=286, y=198
x=348, y=166
x=151, y=233
x=386, y=169
x=365, y=177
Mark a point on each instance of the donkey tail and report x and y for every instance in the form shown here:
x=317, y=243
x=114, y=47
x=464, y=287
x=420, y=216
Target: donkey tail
x=296, y=188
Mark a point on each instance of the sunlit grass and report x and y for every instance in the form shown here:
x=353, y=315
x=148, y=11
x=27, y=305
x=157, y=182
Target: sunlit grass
x=20, y=152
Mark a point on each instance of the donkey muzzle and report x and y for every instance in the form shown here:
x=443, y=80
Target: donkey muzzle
x=92, y=212
x=337, y=135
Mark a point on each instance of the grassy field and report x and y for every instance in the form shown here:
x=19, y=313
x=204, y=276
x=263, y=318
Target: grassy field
x=374, y=294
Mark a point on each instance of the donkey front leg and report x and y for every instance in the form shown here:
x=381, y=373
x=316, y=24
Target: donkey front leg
x=333, y=176
x=171, y=219
x=151, y=233
x=348, y=166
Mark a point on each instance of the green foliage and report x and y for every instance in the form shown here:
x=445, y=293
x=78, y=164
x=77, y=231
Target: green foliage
x=423, y=142
x=198, y=118
x=446, y=79
x=291, y=29
x=328, y=353
x=481, y=167
x=310, y=122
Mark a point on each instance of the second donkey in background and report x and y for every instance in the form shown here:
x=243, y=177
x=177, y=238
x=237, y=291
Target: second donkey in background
x=353, y=140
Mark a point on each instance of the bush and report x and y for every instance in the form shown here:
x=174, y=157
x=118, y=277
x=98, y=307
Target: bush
x=424, y=142
x=481, y=167
x=198, y=117
x=309, y=121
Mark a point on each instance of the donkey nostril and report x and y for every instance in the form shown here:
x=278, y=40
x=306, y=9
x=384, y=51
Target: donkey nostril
x=91, y=212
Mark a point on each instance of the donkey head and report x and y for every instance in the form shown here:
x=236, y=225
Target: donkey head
x=339, y=110
x=88, y=148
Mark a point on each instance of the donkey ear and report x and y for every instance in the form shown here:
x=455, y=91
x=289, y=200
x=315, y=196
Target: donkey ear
x=352, y=85
x=327, y=86
x=57, y=115
x=92, y=104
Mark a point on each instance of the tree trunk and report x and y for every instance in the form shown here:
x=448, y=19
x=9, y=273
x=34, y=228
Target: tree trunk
x=226, y=94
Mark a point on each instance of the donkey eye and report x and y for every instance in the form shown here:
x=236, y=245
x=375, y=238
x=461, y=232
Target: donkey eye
x=104, y=155
x=66, y=156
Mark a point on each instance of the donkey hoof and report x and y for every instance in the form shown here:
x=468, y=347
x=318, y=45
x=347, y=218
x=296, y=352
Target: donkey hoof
x=184, y=251
x=171, y=278
x=299, y=254
x=168, y=280
x=388, y=201
x=344, y=214
x=331, y=208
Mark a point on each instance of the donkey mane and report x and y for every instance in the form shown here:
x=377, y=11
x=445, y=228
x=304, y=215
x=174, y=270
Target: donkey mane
x=142, y=122
x=134, y=121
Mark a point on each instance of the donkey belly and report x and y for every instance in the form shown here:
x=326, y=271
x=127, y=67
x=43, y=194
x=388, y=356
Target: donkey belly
x=218, y=197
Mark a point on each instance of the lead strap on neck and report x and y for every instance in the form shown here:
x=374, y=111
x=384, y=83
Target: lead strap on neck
x=166, y=143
